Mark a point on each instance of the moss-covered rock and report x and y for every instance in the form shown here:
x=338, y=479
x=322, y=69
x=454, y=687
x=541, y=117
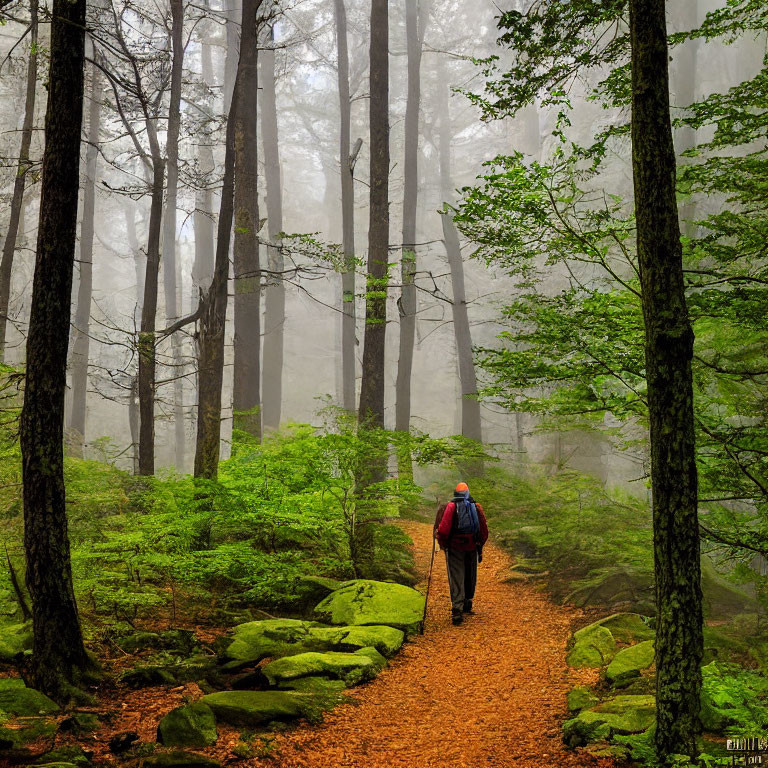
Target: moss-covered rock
x=578, y=732
x=371, y=653
x=623, y=714
x=365, y=602
x=352, y=668
x=14, y=639
x=17, y=699
x=310, y=590
x=386, y=640
x=319, y=685
x=68, y=755
x=27, y=731
x=257, y=707
x=627, y=627
x=190, y=726
x=594, y=646
x=628, y=663
x=581, y=697
x=257, y=640
x=169, y=673
x=723, y=599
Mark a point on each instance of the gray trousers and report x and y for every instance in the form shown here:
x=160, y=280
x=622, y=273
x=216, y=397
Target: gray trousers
x=462, y=576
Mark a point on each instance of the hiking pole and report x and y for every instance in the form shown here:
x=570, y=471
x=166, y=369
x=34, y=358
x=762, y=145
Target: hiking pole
x=429, y=582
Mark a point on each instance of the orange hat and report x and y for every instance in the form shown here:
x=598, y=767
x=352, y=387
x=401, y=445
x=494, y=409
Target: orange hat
x=462, y=487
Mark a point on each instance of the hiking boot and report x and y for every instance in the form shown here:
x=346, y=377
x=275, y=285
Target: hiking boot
x=456, y=618
x=468, y=608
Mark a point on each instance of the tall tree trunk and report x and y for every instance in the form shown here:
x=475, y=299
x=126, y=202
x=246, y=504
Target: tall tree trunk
x=247, y=369
x=170, y=268
x=274, y=296
x=372, y=387
x=668, y=354
x=233, y=50
x=683, y=75
x=202, y=271
x=140, y=269
x=214, y=303
x=347, y=165
x=471, y=422
x=415, y=25
x=147, y=351
x=59, y=660
x=17, y=201
x=81, y=330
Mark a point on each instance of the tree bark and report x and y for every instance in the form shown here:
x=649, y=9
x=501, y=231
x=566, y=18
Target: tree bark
x=247, y=369
x=59, y=661
x=274, y=296
x=214, y=303
x=346, y=163
x=414, y=31
x=471, y=422
x=202, y=271
x=147, y=351
x=170, y=268
x=668, y=354
x=371, y=409
x=17, y=200
x=81, y=330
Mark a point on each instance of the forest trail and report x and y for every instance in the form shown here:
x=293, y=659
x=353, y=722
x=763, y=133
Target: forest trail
x=487, y=694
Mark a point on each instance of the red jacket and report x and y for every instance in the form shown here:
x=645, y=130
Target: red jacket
x=463, y=542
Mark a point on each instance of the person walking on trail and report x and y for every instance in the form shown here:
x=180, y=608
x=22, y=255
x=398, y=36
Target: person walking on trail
x=462, y=531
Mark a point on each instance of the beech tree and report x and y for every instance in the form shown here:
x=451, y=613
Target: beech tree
x=59, y=663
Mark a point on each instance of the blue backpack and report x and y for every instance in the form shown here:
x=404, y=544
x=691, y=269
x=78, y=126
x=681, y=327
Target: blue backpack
x=466, y=519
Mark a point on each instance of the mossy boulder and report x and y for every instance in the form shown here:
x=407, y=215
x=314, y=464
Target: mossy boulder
x=366, y=602
x=69, y=755
x=318, y=685
x=257, y=640
x=622, y=714
x=578, y=732
x=627, y=627
x=722, y=598
x=594, y=646
x=310, y=590
x=168, y=673
x=581, y=697
x=14, y=639
x=352, y=668
x=31, y=729
x=17, y=699
x=253, y=708
x=628, y=663
x=386, y=640
x=371, y=653
x=190, y=726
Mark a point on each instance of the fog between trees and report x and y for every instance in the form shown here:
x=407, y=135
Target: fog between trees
x=133, y=59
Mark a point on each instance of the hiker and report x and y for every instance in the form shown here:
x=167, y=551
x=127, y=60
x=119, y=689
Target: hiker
x=462, y=531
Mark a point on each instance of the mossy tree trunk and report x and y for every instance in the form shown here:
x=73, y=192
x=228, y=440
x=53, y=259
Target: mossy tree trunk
x=59, y=661
x=668, y=353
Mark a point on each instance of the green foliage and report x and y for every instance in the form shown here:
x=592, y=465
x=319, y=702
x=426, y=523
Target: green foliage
x=573, y=346
x=741, y=694
x=567, y=524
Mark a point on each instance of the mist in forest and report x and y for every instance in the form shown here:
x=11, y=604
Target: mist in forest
x=156, y=106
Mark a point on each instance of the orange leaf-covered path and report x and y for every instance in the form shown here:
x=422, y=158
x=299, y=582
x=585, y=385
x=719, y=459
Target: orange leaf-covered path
x=487, y=694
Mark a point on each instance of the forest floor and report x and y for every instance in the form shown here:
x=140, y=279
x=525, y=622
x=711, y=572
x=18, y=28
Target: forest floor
x=489, y=693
